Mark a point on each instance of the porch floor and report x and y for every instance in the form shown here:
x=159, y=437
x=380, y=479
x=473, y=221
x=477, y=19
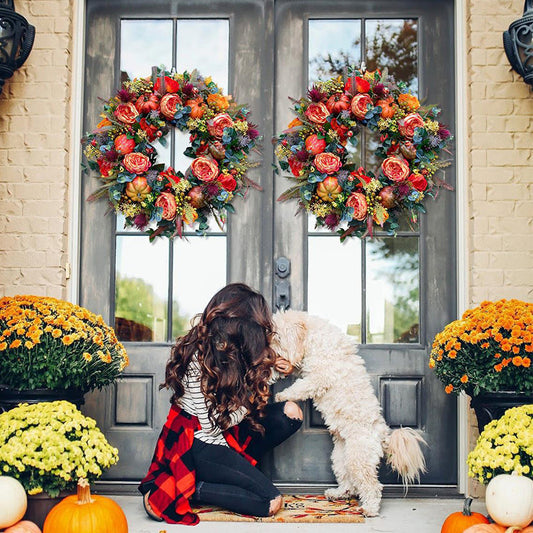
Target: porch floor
x=398, y=515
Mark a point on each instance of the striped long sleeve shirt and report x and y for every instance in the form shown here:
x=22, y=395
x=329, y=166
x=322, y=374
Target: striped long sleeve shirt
x=195, y=403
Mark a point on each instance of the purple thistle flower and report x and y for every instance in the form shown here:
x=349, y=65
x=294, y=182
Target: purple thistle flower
x=332, y=220
x=342, y=176
x=154, y=114
x=125, y=95
x=140, y=221
x=315, y=94
x=434, y=141
x=244, y=141
x=345, y=114
x=151, y=176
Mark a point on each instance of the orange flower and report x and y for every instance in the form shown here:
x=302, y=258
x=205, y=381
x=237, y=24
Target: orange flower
x=56, y=333
x=464, y=378
x=498, y=337
x=87, y=356
x=448, y=389
x=517, y=361
x=408, y=101
x=485, y=345
x=67, y=340
x=432, y=363
x=526, y=362
x=104, y=122
x=452, y=354
x=218, y=102
x=497, y=355
x=506, y=346
x=29, y=345
x=529, y=348
x=3, y=346
x=506, y=361
x=294, y=123
x=498, y=367
x=516, y=349
x=15, y=344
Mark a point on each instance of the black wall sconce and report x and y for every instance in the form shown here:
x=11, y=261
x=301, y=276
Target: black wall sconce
x=518, y=44
x=16, y=40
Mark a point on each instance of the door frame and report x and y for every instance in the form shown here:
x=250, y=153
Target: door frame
x=75, y=200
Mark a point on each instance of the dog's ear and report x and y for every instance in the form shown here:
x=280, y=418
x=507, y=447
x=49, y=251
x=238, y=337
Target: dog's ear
x=293, y=333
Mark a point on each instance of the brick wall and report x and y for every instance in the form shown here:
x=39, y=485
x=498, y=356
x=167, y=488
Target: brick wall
x=500, y=177
x=34, y=159
x=501, y=160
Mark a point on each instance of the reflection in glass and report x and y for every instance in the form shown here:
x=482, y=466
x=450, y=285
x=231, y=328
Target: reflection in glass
x=203, y=44
x=141, y=289
x=392, y=295
x=393, y=44
x=334, y=282
x=333, y=46
x=144, y=44
x=199, y=272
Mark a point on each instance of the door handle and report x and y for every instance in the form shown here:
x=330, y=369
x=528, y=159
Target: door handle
x=282, y=287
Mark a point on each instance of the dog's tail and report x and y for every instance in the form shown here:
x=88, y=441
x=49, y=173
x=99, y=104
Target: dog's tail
x=404, y=454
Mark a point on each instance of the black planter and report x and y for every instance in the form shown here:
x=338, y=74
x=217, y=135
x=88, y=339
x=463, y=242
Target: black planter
x=492, y=405
x=39, y=505
x=10, y=398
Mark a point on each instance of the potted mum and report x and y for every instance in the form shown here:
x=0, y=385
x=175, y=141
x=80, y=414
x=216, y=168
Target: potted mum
x=52, y=349
x=48, y=446
x=487, y=354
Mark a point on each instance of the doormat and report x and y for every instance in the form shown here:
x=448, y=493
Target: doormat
x=296, y=508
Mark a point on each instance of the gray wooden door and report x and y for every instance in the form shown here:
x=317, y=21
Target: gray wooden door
x=262, y=52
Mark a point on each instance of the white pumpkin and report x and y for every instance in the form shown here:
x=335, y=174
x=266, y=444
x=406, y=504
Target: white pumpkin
x=509, y=500
x=13, y=501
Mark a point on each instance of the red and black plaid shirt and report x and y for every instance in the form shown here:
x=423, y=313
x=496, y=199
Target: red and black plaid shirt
x=171, y=478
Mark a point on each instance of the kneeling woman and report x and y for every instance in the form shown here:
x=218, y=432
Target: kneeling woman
x=220, y=424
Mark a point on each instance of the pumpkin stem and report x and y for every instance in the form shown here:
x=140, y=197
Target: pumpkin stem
x=466, y=507
x=84, y=492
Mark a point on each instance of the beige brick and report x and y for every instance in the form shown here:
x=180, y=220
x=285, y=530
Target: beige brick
x=479, y=158
x=487, y=278
x=517, y=277
x=519, y=123
x=484, y=106
x=488, y=175
x=506, y=192
x=525, y=208
x=523, y=140
x=508, y=157
x=478, y=123
x=492, y=140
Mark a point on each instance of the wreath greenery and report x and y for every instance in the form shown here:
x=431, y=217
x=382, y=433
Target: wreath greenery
x=160, y=199
x=349, y=199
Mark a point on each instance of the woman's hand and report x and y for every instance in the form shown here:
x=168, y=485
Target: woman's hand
x=283, y=366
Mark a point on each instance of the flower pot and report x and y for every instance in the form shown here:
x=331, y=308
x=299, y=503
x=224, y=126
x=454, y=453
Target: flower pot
x=492, y=405
x=11, y=398
x=39, y=505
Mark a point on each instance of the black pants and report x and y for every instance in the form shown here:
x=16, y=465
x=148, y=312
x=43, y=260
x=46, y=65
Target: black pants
x=226, y=479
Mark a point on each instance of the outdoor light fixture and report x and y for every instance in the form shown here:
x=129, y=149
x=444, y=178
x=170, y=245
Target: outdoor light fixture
x=518, y=43
x=16, y=40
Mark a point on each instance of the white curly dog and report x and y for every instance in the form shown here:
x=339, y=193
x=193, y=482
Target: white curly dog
x=333, y=375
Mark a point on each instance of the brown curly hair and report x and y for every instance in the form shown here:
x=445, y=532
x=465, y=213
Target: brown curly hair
x=232, y=340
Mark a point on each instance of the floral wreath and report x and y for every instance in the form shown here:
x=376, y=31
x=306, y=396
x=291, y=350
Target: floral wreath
x=345, y=198
x=156, y=198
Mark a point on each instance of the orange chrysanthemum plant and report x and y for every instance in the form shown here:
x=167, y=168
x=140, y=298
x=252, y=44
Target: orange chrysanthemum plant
x=53, y=344
x=488, y=350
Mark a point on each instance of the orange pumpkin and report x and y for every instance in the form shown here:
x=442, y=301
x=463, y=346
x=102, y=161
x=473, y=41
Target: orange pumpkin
x=197, y=107
x=460, y=521
x=328, y=189
x=86, y=513
x=388, y=108
x=24, y=526
x=138, y=189
x=485, y=528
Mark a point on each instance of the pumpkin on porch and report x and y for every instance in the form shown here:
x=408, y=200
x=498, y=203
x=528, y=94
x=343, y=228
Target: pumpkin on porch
x=86, y=513
x=24, y=526
x=509, y=500
x=13, y=501
x=458, y=522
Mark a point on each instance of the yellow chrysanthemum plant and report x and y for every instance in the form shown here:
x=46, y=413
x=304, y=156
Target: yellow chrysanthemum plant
x=488, y=350
x=504, y=447
x=48, y=446
x=53, y=344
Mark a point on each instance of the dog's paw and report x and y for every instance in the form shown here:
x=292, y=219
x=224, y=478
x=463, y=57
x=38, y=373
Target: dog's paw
x=368, y=512
x=336, y=494
x=280, y=397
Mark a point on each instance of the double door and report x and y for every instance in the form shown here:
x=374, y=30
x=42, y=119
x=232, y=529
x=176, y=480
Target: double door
x=392, y=294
